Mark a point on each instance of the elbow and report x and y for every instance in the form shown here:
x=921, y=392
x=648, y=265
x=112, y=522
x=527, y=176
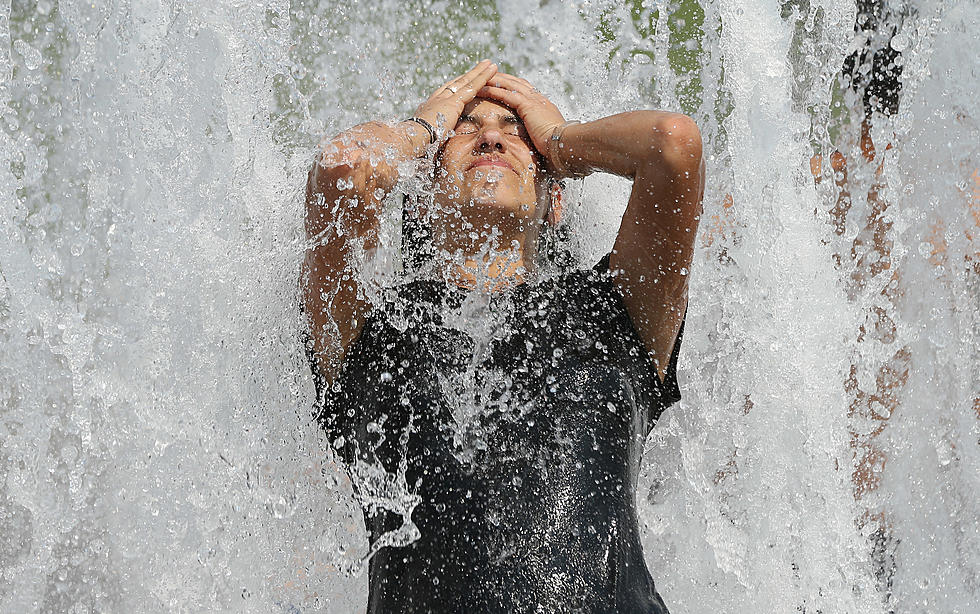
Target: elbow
x=354, y=148
x=677, y=143
x=339, y=168
x=349, y=160
x=340, y=157
x=337, y=172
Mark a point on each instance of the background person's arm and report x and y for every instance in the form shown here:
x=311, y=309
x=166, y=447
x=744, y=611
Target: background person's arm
x=355, y=172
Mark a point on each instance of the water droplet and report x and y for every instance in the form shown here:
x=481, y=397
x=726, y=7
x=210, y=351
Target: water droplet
x=32, y=57
x=280, y=509
x=900, y=41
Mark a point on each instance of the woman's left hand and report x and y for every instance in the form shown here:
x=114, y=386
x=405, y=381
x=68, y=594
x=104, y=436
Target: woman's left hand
x=540, y=116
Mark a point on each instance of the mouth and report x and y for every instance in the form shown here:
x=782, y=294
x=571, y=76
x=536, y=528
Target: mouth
x=490, y=161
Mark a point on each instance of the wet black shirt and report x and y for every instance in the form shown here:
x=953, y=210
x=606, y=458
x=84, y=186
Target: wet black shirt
x=519, y=425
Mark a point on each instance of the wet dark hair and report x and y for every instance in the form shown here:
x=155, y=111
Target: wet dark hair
x=417, y=247
x=874, y=72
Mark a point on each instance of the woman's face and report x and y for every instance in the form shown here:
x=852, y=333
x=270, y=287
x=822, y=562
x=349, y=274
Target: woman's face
x=489, y=175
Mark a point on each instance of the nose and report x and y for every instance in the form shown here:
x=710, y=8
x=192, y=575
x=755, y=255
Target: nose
x=490, y=139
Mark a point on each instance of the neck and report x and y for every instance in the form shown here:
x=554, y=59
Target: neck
x=491, y=263
x=493, y=274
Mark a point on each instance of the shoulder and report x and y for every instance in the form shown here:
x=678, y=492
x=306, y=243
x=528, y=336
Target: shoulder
x=593, y=311
x=584, y=299
x=591, y=288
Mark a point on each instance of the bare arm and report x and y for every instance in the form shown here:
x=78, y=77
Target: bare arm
x=344, y=191
x=661, y=153
x=354, y=173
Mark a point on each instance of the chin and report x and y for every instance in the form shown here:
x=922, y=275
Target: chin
x=498, y=200
x=499, y=195
x=493, y=200
x=508, y=217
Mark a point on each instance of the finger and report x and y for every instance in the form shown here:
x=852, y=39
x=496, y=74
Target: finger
x=521, y=86
x=520, y=80
x=510, y=98
x=469, y=74
x=479, y=79
x=512, y=83
x=484, y=67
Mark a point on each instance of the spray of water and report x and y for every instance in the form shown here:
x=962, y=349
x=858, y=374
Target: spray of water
x=156, y=446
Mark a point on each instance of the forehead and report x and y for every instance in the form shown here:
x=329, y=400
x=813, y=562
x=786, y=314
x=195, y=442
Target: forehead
x=485, y=109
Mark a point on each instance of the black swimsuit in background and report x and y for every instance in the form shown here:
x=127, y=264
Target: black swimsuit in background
x=523, y=446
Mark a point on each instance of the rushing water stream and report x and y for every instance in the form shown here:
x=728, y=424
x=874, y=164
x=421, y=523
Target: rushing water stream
x=156, y=447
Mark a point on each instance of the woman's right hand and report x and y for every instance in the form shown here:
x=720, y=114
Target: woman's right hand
x=445, y=105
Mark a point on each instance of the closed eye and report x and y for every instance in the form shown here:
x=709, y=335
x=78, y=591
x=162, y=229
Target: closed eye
x=466, y=125
x=513, y=125
x=510, y=125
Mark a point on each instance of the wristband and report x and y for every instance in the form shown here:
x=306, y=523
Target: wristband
x=426, y=125
x=554, y=144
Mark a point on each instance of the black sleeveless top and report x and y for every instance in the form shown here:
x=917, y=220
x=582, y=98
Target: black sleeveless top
x=517, y=422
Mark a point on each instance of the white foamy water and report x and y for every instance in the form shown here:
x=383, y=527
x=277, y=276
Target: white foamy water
x=156, y=447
